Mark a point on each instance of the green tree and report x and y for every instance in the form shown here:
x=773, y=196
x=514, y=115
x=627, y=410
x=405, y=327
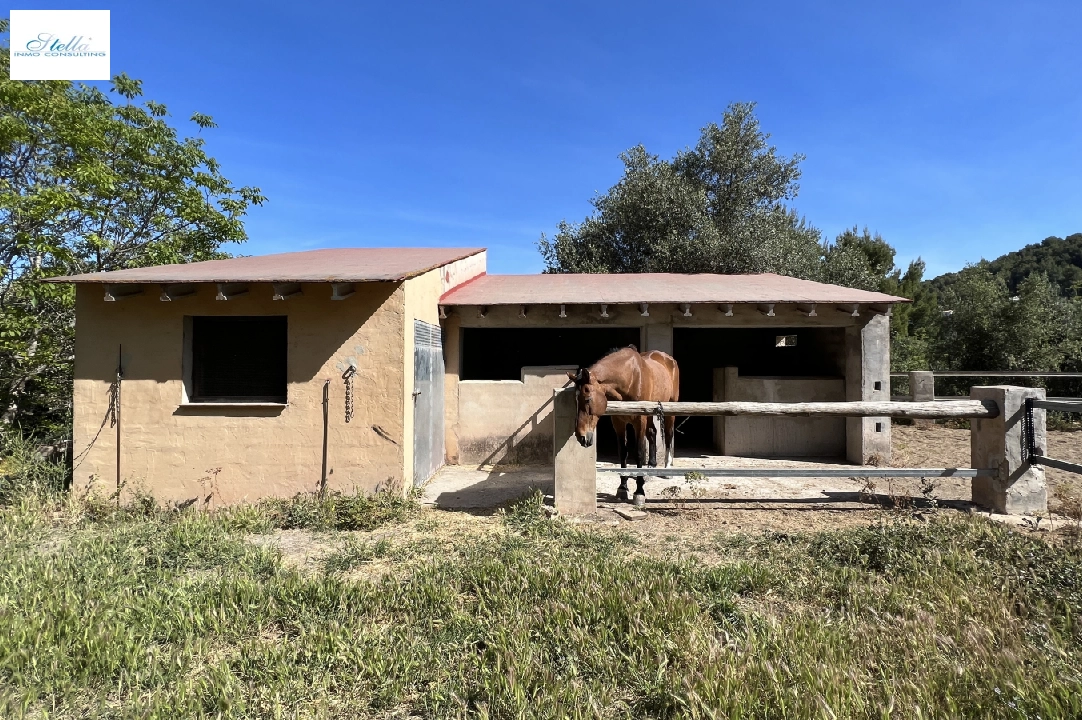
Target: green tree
x=913, y=325
x=718, y=207
x=984, y=327
x=89, y=184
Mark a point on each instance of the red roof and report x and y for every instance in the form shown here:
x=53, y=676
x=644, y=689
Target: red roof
x=331, y=265
x=588, y=289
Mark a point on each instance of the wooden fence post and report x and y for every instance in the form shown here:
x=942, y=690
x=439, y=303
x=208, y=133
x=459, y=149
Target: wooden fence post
x=575, y=466
x=922, y=389
x=1000, y=442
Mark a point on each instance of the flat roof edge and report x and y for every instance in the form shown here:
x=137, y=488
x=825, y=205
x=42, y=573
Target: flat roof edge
x=124, y=276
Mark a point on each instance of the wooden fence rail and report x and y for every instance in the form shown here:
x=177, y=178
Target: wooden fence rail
x=918, y=410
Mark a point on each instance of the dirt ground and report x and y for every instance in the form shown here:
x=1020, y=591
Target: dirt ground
x=682, y=519
x=947, y=447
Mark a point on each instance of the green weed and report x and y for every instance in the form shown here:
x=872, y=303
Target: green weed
x=337, y=511
x=177, y=615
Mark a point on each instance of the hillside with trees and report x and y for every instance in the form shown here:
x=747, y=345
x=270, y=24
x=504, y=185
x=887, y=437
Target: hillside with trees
x=1060, y=259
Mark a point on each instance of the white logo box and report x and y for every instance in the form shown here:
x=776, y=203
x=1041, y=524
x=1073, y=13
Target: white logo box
x=60, y=45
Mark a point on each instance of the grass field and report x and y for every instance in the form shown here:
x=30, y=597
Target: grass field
x=146, y=613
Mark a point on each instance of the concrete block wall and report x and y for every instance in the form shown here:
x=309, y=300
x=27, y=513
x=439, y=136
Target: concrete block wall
x=508, y=421
x=776, y=436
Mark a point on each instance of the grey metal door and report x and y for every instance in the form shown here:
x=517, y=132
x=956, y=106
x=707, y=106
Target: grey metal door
x=427, y=401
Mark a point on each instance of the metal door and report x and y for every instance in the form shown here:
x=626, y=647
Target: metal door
x=427, y=401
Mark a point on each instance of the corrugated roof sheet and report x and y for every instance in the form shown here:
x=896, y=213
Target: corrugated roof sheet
x=554, y=289
x=330, y=265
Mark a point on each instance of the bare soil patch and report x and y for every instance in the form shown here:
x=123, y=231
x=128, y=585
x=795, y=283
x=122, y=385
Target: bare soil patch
x=940, y=446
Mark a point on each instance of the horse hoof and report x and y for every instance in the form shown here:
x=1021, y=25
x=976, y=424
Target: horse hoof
x=621, y=494
x=640, y=500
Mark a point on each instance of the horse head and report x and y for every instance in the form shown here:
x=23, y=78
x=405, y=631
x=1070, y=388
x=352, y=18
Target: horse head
x=592, y=403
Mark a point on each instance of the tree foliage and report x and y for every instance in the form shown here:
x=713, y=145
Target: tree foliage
x=90, y=184
x=718, y=207
x=983, y=326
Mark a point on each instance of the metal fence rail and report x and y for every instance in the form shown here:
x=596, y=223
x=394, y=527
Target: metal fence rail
x=853, y=472
x=1071, y=405
x=955, y=398
x=1035, y=454
x=1054, y=463
x=994, y=373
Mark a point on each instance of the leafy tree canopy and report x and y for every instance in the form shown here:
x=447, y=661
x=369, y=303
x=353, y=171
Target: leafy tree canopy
x=718, y=207
x=91, y=181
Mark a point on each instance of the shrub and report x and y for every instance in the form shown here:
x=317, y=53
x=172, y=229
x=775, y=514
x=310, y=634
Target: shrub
x=337, y=511
x=25, y=469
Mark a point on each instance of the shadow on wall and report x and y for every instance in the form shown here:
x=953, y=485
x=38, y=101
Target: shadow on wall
x=509, y=422
x=529, y=443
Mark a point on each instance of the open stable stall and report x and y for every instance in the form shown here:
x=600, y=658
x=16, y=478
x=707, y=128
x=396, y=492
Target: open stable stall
x=510, y=341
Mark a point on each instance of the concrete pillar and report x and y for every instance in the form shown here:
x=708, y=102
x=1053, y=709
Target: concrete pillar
x=1000, y=442
x=575, y=467
x=659, y=337
x=452, y=359
x=922, y=389
x=720, y=376
x=867, y=377
x=921, y=386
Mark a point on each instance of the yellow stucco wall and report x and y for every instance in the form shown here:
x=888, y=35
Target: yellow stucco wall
x=170, y=450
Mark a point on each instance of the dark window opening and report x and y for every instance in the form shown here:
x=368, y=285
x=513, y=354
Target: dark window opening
x=501, y=353
x=238, y=359
x=814, y=352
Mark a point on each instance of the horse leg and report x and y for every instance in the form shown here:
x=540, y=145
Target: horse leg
x=641, y=425
x=670, y=440
x=651, y=438
x=624, y=448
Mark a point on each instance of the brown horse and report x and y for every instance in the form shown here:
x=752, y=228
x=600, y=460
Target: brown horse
x=628, y=374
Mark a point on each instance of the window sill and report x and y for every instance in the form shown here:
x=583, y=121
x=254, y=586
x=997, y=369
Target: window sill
x=197, y=405
x=231, y=409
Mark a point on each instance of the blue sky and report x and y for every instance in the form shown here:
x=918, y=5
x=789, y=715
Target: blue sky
x=952, y=128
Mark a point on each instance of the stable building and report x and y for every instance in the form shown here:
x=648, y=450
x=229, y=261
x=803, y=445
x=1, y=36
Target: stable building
x=367, y=369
